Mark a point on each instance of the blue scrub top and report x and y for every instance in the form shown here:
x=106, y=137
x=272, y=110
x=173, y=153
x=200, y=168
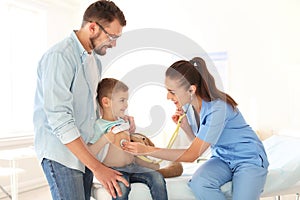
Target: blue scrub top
x=231, y=138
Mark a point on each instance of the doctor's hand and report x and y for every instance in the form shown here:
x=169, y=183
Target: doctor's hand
x=136, y=148
x=183, y=123
x=177, y=114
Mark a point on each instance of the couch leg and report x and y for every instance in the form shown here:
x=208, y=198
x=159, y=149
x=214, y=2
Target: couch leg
x=297, y=196
x=277, y=198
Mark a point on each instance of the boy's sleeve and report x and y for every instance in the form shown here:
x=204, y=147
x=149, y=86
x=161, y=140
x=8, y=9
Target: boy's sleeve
x=98, y=132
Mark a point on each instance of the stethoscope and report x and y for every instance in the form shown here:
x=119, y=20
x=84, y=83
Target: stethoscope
x=172, y=139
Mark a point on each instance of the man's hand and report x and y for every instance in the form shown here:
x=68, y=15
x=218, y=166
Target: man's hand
x=109, y=179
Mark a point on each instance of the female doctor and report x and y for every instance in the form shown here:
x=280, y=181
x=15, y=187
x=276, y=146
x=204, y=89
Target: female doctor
x=212, y=119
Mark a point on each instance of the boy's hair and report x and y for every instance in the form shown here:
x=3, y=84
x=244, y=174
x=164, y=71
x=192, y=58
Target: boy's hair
x=108, y=86
x=103, y=11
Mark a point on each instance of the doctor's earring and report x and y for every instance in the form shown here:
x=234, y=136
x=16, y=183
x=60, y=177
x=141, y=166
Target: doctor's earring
x=191, y=96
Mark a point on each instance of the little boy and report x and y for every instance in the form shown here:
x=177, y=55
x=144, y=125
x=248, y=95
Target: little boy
x=112, y=97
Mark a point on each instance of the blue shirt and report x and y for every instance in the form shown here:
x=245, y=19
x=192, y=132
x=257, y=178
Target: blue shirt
x=231, y=138
x=65, y=105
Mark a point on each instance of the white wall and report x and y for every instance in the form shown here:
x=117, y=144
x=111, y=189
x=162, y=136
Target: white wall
x=262, y=42
x=260, y=37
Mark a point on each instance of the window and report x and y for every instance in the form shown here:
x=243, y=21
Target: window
x=23, y=39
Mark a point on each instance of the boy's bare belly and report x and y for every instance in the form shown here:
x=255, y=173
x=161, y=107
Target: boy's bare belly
x=116, y=157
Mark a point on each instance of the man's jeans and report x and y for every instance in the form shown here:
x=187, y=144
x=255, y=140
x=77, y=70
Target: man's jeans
x=66, y=183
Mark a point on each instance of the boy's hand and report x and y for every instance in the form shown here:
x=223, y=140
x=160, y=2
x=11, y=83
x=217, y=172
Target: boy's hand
x=130, y=119
x=110, y=136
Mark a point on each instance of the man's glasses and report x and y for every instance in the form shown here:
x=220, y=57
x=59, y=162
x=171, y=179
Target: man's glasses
x=111, y=37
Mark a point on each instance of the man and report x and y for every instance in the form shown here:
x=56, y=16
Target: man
x=66, y=109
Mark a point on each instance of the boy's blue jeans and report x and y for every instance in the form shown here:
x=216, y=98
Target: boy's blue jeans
x=134, y=173
x=66, y=183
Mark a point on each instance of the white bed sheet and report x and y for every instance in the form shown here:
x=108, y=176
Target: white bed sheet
x=283, y=177
x=177, y=187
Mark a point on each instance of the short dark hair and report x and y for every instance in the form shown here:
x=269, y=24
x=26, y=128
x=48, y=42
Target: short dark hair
x=108, y=86
x=103, y=11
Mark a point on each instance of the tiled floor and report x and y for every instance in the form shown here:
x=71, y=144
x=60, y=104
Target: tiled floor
x=43, y=193
x=39, y=193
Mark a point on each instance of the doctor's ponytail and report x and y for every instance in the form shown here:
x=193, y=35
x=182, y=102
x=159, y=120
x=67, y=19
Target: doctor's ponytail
x=195, y=72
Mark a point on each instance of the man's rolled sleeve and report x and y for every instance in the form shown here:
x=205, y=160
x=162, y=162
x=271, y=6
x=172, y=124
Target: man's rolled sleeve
x=58, y=97
x=67, y=136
